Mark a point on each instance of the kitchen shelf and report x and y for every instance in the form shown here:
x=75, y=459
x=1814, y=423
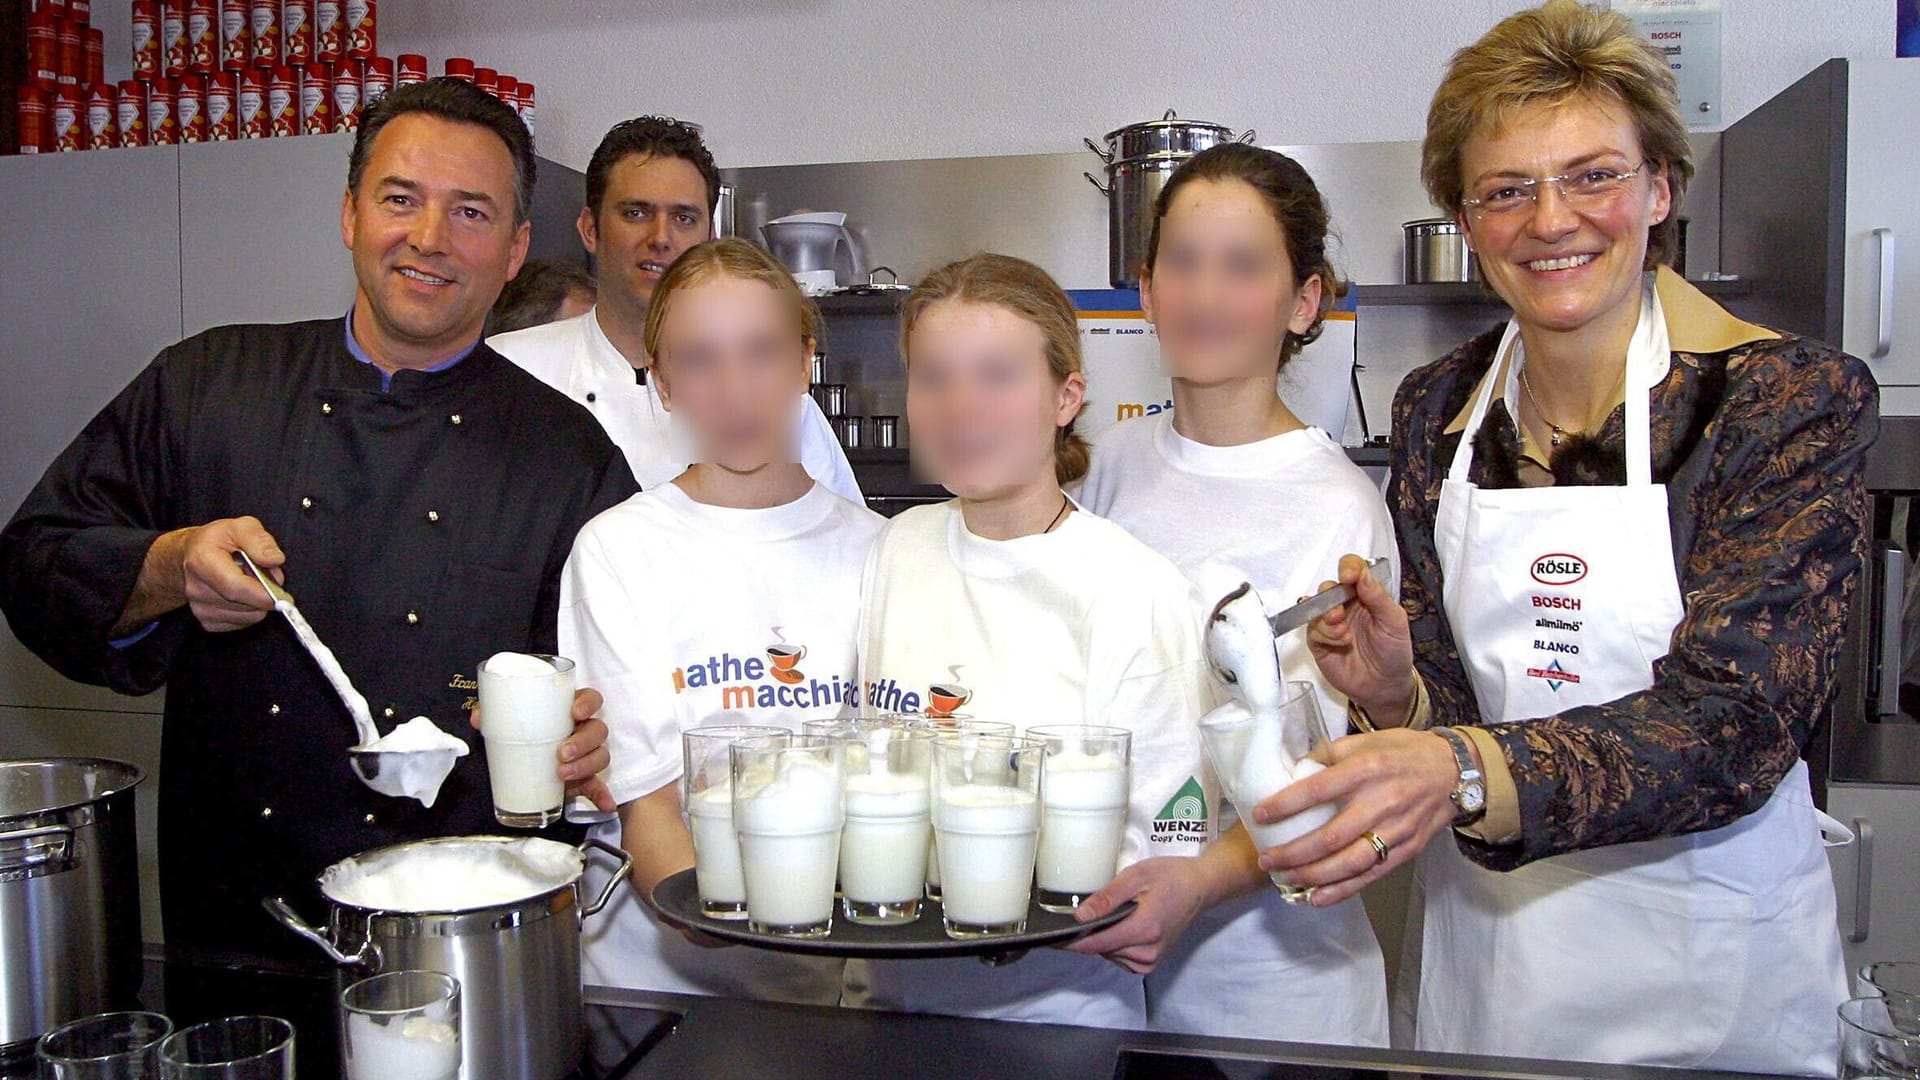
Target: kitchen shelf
x=1473, y=293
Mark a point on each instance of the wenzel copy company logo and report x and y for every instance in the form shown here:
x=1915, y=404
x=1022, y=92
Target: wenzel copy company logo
x=1559, y=568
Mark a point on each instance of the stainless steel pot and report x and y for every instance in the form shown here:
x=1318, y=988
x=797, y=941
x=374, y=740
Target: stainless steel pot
x=1140, y=158
x=1437, y=252
x=518, y=963
x=69, y=894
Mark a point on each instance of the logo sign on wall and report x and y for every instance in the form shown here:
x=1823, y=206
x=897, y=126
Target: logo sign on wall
x=1688, y=31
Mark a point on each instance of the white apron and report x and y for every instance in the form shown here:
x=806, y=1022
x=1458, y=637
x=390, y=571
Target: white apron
x=1712, y=950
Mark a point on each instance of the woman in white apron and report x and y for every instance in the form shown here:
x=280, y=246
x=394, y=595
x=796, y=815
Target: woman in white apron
x=1631, y=526
x=1255, y=966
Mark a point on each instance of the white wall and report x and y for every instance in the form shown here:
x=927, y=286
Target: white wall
x=803, y=81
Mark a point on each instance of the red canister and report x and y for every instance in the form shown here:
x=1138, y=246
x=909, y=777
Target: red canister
x=316, y=99
x=525, y=104
x=236, y=34
x=507, y=89
x=283, y=102
x=95, y=46
x=296, y=31
x=163, y=128
x=376, y=81
x=203, y=36
x=43, y=47
x=103, y=131
x=66, y=116
x=410, y=68
x=487, y=79
x=250, y=103
x=59, y=9
x=80, y=11
x=130, y=112
x=173, y=38
x=329, y=43
x=358, y=35
x=264, y=22
x=459, y=67
x=30, y=108
x=221, y=90
x=347, y=79
x=190, y=107
x=72, y=61
x=146, y=39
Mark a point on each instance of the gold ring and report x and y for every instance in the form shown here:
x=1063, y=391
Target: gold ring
x=1380, y=848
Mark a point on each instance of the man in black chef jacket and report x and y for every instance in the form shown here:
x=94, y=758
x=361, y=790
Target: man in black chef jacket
x=417, y=493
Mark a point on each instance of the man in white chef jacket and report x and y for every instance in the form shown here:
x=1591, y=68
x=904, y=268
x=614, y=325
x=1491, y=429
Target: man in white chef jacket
x=651, y=188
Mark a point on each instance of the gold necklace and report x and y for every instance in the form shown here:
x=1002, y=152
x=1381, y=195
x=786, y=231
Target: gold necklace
x=1526, y=386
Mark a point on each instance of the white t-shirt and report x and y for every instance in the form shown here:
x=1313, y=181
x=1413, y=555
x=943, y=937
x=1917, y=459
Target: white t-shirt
x=1278, y=513
x=1080, y=625
x=670, y=607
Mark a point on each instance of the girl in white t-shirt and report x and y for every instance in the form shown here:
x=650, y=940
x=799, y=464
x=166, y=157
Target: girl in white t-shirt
x=688, y=603
x=1014, y=605
x=1232, y=487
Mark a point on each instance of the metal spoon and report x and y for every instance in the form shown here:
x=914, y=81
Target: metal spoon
x=415, y=774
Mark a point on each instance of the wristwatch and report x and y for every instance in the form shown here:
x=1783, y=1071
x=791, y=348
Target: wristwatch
x=1470, y=794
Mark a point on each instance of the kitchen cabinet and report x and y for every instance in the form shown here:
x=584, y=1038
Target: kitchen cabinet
x=1818, y=197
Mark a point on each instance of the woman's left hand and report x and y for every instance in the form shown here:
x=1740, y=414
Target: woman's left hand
x=1396, y=784
x=584, y=755
x=1170, y=894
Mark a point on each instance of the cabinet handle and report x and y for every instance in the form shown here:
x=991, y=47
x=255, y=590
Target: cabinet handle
x=1893, y=603
x=1883, y=308
x=1862, y=879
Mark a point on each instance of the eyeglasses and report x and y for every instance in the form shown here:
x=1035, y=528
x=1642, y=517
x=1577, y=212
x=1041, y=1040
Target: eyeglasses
x=1582, y=190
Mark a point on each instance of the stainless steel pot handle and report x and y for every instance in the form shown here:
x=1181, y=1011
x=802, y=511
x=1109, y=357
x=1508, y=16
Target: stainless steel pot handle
x=284, y=914
x=1104, y=154
x=1107, y=191
x=1246, y=136
x=36, y=860
x=620, y=875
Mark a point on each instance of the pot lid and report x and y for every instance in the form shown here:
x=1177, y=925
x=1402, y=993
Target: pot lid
x=50, y=785
x=1170, y=120
x=454, y=874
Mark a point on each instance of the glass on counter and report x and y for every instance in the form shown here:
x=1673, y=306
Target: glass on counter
x=237, y=1048
x=401, y=1025
x=110, y=1046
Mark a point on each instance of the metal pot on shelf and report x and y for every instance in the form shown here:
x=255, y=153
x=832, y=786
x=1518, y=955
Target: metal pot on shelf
x=1139, y=159
x=69, y=894
x=517, y=960
x=1436, y=251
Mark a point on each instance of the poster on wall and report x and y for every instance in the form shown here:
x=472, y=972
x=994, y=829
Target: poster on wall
x=1688, y=31
x=1906, y=29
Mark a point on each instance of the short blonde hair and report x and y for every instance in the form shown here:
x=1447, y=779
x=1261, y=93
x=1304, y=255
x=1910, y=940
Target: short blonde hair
x=1027, y=291
x=1561, y=51
x=729, y=257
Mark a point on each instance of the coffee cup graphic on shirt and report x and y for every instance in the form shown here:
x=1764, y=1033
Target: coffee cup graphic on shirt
x=784, y=659
x=944, y=698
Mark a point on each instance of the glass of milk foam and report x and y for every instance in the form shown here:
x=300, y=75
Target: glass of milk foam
x=986, y=815
x=883, y=848
x=706, y=795
x=1255, y=756
x=403, y=1025
x=1083, y=811
x=941, y=725
x=789, y=805
x=526, y=712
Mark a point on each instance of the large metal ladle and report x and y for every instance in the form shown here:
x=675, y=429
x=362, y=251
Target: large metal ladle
x=414, y=774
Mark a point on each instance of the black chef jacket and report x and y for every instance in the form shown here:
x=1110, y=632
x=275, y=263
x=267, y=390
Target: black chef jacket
x=425, y=525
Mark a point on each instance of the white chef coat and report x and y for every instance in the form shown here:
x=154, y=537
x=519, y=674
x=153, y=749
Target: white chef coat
x=1277, y=513
x=1080, y=625
x=575, y=357
x=670, y=607
x=1716, y=949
